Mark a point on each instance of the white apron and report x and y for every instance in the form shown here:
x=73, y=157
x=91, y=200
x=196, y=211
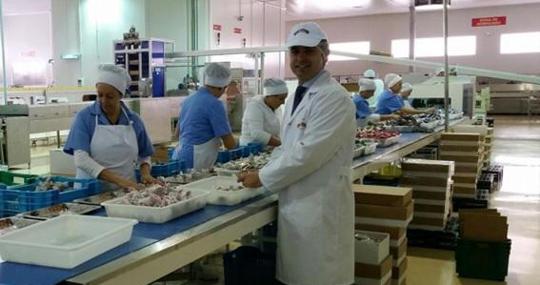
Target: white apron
x=205, y=155
x=114, y=147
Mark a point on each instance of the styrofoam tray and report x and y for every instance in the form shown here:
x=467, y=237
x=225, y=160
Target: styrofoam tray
x=65, y=241
x=218, y=197
x=373, y=250
x=157, y=215
x=389, y=141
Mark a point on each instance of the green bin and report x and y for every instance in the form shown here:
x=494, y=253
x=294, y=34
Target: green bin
x=10, y=178
x=483, y=259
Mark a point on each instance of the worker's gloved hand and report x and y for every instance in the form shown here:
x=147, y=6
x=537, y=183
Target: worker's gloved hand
x=128, y=184
x=149, y=179
x=250, y=179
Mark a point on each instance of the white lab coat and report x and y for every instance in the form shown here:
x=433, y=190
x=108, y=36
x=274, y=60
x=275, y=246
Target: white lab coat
x=312, y=172
x=259, y=123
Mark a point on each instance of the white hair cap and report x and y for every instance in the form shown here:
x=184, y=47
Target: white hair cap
x=307, y=34
x=366, y=84
x=275, y=86
x=114, y=76
x=392, y=79
x=406, y=87
x=217, y=75
x=370, y=73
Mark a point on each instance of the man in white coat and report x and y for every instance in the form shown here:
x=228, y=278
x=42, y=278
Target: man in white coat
x=312, y=170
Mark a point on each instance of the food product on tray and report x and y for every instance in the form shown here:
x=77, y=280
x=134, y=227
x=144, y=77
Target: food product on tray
x=56, y=210
x=13, y=223
x=376, y=133
x=187, y=177
x=48, y=184
x=230, y=188
x=156, y=196
x=253, y=162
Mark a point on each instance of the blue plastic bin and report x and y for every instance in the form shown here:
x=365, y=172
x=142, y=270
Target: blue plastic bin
x=224, y=156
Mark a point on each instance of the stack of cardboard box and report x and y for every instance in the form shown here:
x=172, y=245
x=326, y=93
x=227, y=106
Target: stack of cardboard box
x=466, y=150
x=388, y=210
x=431, y=181
x=487, y=146
x=373, y=263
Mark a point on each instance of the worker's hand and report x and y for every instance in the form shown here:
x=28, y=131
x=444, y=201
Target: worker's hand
x=395, y=116
x=127, y=184
x=149, y=179
x=431, y=110
x=250, y=179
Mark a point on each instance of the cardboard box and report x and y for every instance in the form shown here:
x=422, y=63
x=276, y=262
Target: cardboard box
x=477, y=153
x=430, y=208
x=464, y=179
x=373, y=271
x=386, y=280
x=396, y=233
x=426, y=165
x=435, y=222
x=401, y=270
x=399, y=282
x=381, y=195
x=425, y=181
x=161, y=154
x=399, y=251
x=371, y=247
x=460, y=137
x=428, y=195
x=483, y=227
x=460, y=148
x=471, y=129
x=384, y=212
x=465, y=190
x=461, y=158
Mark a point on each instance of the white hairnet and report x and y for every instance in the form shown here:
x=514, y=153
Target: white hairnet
x=115, y=76
x=391, y=79
x=406, y=87
x=370, y=73
x=275, y=86
x=217, y=75
x=366, y=84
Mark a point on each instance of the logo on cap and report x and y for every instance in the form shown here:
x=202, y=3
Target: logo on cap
x=301, y=31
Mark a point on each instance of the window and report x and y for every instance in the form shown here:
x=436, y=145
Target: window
x=352, y=47
x=520, y=43
x=434, y=47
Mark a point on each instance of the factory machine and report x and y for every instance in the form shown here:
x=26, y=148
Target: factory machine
x=20, y=121
x=431, y=93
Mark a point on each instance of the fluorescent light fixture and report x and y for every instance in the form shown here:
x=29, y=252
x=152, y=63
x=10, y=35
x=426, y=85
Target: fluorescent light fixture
x=434, y=47
x=352, y=47
x=427, y=5
x=516, y=43
x=71, y=56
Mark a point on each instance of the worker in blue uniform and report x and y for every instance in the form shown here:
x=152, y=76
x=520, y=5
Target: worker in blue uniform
x=203, y=123
x=391, y=102
x=364, y=114
x=108, y=141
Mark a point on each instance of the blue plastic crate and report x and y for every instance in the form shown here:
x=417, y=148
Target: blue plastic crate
x=224, y=156
x=245, y=151
x=255, y=148
x=166, y=169
x=236, y=153
x=76, y=188
x=18, y=201
x=170, y=152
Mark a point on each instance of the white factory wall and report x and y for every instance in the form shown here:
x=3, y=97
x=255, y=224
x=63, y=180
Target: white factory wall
x=65, y=41
x=262, y=25
x=380, y=30
x=102, y=22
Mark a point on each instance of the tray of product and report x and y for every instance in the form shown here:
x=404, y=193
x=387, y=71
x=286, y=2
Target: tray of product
x=252, y=162
x=383, y=137
x=100, y=198
x=14, y=223
x=363, y=147
x=66, y=241
x=60, y=209
x=224, y=190
x=186, y=177
x=156, y=203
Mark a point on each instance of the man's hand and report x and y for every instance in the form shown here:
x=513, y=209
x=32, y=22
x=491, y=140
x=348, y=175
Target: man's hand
x=250, y=179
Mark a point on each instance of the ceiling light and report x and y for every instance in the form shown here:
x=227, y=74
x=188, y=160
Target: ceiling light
x=429, y=4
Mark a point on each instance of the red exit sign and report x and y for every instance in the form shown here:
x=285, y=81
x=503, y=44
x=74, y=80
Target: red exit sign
x=237, y=30
x=489, y=21
x=216, y=27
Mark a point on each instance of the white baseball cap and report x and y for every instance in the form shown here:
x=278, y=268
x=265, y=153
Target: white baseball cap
x=275, y=86
x=366, y=84
x=114, y=76
x=307, y=34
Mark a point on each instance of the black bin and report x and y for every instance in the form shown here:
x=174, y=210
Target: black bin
x=247, y=265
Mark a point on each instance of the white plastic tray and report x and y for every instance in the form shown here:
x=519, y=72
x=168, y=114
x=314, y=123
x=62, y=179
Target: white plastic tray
x=370, y=148
x=218, y=197
x=226, y=172
x=358, y=151
x=389, y=141
x=157, y=215
x=66, y=241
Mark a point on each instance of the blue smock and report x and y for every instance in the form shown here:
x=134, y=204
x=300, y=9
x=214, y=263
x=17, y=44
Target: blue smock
x=82, y=129
x=362, y=107
x=202, y=118
x=389, y=103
